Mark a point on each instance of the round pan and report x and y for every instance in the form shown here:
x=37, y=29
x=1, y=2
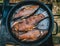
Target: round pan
x=39, y=41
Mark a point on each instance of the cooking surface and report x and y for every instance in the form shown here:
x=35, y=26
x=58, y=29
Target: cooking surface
x=27, y=27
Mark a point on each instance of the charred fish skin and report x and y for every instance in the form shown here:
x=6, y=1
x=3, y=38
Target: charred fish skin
x=31, y=35
x=27, y=24
x=34, y=19
x=26, y=11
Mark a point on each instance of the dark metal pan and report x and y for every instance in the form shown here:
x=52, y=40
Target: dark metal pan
x=44, y=7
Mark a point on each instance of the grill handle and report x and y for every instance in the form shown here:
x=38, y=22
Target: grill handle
x=56, y=28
